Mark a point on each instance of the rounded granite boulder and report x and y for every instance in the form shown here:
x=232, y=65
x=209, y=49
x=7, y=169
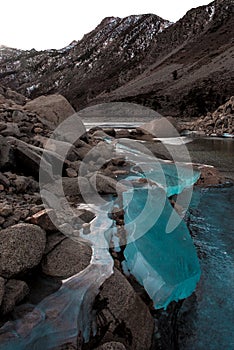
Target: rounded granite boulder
x=21, y=249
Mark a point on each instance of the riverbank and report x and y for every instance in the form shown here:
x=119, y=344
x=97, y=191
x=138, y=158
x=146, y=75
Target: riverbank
x=70, y=217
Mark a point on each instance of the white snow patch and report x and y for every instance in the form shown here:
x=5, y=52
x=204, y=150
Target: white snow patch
x=211, y=11
x=30, y=89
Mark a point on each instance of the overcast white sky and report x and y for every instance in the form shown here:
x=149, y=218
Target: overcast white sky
x=45, y=24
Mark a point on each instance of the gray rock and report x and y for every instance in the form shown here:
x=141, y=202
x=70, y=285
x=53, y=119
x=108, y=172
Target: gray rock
x=64, y=149
x=6, y=153
x=15, y=96
x=3, y=126
x=11, y=130
x=9, y=221
x=71, y=172
x=75, y=165
x=130, y=321
x=21, y=183
x=112, y=346
x=83, y=151
x=53, y=108
x=2, y=220
x=160, y=127
x=84, y=215
x=19, y=116
x=105, y=184
x=15, y=291
x=66, y=259
x=5, y=209
x=29, y=159
x=4, y=180
x=2, y=289
x=53, y=240
x=21, y=248
x=75, y=186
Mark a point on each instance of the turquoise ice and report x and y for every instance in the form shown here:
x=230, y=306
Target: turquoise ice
x=166, y=264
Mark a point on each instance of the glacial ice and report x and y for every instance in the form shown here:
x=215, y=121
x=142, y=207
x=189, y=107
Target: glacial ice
x=174, y=177
x=166, y=264
x=159, y=251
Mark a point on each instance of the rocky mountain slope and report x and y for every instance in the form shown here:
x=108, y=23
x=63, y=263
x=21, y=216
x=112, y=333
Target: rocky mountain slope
x=104, y=59
x=189, y=70
x=182, y=69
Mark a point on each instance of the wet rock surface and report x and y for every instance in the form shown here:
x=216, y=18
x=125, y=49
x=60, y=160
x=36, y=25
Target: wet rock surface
x=124, y=314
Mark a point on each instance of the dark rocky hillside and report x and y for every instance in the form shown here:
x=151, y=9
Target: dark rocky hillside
x=103, y=60
x=189, y=70
x=183, y=69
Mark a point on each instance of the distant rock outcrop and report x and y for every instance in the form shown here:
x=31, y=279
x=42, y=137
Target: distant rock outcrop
x=219, y=123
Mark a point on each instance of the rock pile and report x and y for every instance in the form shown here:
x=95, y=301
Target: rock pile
x=31, y=245
x=219, y=123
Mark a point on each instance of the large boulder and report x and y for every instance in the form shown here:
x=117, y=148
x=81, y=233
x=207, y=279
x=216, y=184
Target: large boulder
x=160, y=127
x=21, y=249
x=64, y=149
x=28, y=159
x=127, y=318
x=66, y=259
x=52, y=108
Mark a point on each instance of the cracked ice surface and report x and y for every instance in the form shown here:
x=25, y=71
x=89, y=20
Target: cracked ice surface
x=172, y=177
x=160, y=251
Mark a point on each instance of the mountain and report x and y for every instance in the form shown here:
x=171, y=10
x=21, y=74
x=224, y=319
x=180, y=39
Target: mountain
x=189, y=70
x=104, y=59
x=182, y=69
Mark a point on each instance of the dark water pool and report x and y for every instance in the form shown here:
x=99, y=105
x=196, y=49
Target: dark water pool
x=214, y=151
x=206, y=320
